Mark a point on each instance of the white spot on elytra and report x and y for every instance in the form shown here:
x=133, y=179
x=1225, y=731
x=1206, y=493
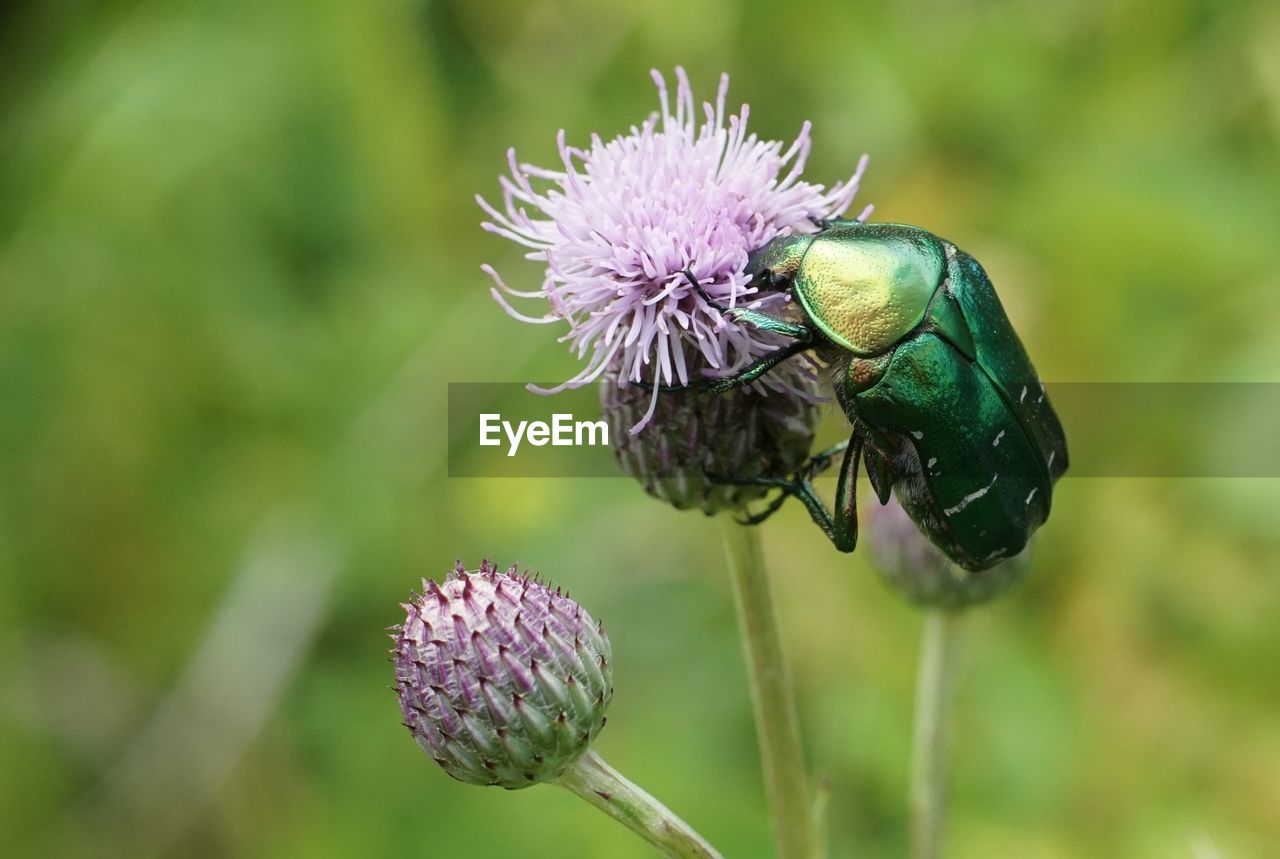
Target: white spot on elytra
x=970, y=498
x=1052, y=454
x=917, y=435
x=999, y=436
x=1023, y=395
x=933, y=460
x=1030, y=495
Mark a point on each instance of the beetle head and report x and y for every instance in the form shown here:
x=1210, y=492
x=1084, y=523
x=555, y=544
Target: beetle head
x=775, y=264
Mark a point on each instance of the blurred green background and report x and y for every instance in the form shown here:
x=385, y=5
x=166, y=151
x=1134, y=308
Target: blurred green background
x=239, y=262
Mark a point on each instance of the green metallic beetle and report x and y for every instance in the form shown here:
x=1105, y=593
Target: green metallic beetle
x=947, y=411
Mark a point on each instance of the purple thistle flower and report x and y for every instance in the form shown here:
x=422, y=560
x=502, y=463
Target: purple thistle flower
x=619, y=223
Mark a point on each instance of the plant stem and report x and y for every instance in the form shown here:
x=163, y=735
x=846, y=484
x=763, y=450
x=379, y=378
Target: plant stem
x=772, y=698
x=608, y=790
x=938, y=658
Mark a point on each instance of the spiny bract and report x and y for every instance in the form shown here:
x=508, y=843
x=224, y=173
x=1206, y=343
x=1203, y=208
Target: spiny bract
x=502, y=680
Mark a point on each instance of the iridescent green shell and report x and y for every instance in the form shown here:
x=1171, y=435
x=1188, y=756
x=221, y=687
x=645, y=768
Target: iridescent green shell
x=945, y=403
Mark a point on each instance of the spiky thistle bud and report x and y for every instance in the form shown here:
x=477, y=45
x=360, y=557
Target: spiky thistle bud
x=694, y=441
x=502, y=679
x=917, y=570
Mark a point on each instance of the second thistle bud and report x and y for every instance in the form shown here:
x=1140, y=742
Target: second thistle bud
x=695, y=441
x=917, y=570
x=502, y=680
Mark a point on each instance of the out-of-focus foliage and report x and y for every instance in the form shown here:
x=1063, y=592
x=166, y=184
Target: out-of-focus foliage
x=239, y=262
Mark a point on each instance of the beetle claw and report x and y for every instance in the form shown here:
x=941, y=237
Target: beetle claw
x=715, y=477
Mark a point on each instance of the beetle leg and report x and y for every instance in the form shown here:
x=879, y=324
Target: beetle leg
x=842, y=528
x=754, y=370
x=763, y=321
x=804, y=491
x=774, y=505
x=817, y=464
x=845, y=532
x=821, y=461
x=706, y=296
x=788, y=488
x=745, y=376
x=878, y=473
x=800, y=487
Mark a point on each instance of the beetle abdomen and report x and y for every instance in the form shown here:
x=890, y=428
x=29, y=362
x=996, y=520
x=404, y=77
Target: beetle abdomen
x=974, y=480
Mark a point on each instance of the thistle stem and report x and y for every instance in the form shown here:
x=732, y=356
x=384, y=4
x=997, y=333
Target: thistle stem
x=772, y=698
x=934, y=687
x=608, y=790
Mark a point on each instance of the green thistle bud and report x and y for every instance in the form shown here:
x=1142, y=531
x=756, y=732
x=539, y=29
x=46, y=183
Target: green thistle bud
x=917, y=570
x=741, y=434
x=502, y=680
